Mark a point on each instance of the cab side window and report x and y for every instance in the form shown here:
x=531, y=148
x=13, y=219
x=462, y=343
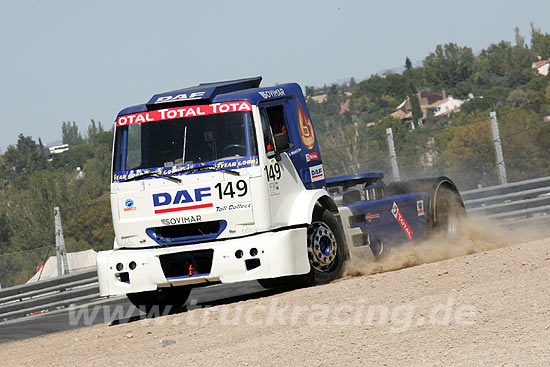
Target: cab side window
x=275, y=129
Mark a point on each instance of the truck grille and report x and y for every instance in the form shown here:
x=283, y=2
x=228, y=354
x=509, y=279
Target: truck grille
x=186, y=264
x=187, y=233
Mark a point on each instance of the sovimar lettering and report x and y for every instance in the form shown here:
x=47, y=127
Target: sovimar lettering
x=181, y=220
x=280, y=92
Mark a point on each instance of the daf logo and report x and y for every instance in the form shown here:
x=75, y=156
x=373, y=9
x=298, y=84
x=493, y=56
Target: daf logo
x=181, y=197
x=180, y=97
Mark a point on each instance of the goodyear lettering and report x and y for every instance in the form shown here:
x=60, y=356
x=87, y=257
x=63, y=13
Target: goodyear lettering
x=190, y=169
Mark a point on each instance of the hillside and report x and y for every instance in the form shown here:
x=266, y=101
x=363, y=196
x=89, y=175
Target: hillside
x=351, y=121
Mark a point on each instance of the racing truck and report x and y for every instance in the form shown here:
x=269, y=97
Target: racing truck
x=224, y=182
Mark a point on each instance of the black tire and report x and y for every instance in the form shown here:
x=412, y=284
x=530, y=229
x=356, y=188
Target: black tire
x=326, y=253
x=163, y=300
x=447, y=213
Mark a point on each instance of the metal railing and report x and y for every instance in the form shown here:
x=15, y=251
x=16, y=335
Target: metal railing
x=515, y=203
x=48, y=295
x=518, y=203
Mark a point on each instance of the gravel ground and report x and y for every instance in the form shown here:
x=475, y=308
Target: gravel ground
x=484, y=305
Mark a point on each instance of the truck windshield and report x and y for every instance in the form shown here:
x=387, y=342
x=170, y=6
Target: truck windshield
x=166, y=138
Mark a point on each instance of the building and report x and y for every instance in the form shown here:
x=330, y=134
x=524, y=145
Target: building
x=448, y=106
x=435, y=101
x=542, y=66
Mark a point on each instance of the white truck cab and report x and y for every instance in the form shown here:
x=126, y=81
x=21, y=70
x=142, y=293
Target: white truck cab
x=217, y=183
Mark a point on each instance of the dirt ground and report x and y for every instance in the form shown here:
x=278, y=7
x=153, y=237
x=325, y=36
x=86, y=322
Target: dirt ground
x=486, y=304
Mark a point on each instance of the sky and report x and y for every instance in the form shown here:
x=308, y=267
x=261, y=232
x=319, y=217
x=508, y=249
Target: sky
x=82, y=60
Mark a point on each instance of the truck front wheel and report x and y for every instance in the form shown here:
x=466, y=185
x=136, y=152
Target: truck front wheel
x=326, y=253
x=325, y=247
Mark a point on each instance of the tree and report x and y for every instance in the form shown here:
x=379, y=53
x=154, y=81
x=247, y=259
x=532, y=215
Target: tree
x=517, y=98
x=518, y=66
x=448, y=65
x=415, y=108
x=25, y=157
x=94, y=131
x=492, y=60
x=408, y=64
x=70, y=134
x=540, y=43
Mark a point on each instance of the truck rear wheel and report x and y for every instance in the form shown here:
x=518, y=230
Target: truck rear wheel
x=163, y=300
x=326, y=253
x=448, y=213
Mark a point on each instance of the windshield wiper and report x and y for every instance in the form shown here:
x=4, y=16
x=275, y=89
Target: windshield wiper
x=213, y=168
x=153, y=173
x=178, y=180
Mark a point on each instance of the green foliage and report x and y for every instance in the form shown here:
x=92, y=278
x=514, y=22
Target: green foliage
x=22, y=159
x=448, y=65
x=460, y=145
x=76, y=180
x=415, y=107
x=517, y=98
x=70, y=134
x=540, y=43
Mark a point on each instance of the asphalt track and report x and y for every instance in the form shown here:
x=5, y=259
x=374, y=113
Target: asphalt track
x=37, y=325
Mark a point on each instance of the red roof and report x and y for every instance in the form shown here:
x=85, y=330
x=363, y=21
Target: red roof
x=540, y=63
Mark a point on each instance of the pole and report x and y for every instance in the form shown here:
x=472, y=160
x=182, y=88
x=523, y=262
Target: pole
x=393, y=156
x=60, y=250
x=498, y=149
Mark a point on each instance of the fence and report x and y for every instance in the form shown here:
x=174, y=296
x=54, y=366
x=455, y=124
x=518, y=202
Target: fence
x=48, y=295
x=515, y=203
x=524, y=202
x=511, y=145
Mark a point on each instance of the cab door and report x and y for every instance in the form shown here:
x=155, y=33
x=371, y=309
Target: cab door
x=283, y=181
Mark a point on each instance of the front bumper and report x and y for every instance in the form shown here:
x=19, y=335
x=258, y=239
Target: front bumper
x=278, y=254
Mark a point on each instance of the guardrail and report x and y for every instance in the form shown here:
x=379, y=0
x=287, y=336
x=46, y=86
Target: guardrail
x=524, y=202
x=48, y=295
x=518, y=203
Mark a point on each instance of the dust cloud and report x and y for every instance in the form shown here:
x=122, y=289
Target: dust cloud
x=478, y=234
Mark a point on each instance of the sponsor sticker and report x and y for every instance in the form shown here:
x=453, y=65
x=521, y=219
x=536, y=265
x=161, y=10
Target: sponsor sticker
x=370, y=216
x=186, y=169
x=294, y=152
x=181, y=97
x=273, y=188
x=317, y=173
x=420, y=207
x=313, y=156
x=182, y=112
x=402, y=221
x=305, y=127
x=232, y=207
x=129, y=205
x=164, y=202
x=181, y=220
x=279, y=92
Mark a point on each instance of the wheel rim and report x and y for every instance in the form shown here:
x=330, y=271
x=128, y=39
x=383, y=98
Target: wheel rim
x=322, y=246
x=452, y=225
